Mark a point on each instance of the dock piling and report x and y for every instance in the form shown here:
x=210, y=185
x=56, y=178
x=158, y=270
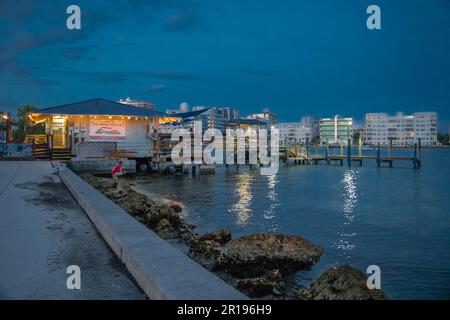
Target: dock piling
x=390, y=149
x=349, y=152
x=378, y=155
x=360, y=146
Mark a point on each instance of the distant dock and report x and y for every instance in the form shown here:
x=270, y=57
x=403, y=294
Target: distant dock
x=295, y=155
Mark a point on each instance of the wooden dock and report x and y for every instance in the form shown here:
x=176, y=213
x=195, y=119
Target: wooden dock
x=307, y=158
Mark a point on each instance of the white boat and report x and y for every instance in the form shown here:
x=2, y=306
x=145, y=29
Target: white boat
x=368, y=148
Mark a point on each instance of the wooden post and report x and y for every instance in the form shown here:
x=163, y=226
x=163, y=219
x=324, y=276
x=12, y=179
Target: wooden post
x=349, y=152
x=327, y=151
x=138, y=166
x=420, y=148
x=360, y=146
x=342, y=148
x=415, y=155
x=9, y=134
x=390, y=148
x=378, y=155
x=307, y=149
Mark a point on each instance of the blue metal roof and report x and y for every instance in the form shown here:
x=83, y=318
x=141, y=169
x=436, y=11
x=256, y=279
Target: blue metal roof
x=101, y=107
x=249, y=122
x=186, y=115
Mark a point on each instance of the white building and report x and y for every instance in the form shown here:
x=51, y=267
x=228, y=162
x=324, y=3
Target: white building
x=404, y=130
x=335, y=130
x=295, y=132
x=184, y=107
x=138, y=103
x=269, y=117
x=230, y=113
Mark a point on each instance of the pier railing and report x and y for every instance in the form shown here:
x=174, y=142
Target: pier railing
x=306, y=157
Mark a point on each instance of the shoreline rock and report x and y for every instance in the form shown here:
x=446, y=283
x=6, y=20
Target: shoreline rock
x=271, y=283
x=160, y=218
x=253, y=255
x=341, y=283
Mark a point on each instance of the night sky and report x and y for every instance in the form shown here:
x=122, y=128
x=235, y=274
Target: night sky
x=294, y=57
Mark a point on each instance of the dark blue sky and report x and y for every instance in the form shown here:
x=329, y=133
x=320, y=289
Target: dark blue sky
x=295, y=57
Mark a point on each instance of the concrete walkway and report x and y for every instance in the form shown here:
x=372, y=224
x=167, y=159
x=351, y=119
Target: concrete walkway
x=42, y=231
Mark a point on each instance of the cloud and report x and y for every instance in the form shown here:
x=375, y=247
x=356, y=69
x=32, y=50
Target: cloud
x=118, y=76
x=109, y=77
x=34, y=82
x=76, y=53
x=181, y=21
x=157, y=87
x=168, y=74
x=267, y=72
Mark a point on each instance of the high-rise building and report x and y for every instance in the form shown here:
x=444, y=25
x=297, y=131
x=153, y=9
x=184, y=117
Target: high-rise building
x=211, y=119
x=296, y=132
x=269, y=117
x=335, y=130
x=230, y=113
x=403, y=130
x=138, y=103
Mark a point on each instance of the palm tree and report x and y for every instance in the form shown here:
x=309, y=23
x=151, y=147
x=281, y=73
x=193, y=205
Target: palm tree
x=23, y=123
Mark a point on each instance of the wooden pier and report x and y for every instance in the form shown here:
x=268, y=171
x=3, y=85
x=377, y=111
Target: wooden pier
x=308, y=158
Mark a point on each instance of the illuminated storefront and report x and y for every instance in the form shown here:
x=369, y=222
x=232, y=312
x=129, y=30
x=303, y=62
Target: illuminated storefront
x=96, y=128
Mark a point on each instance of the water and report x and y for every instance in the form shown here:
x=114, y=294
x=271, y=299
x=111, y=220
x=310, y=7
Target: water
x=398, y=219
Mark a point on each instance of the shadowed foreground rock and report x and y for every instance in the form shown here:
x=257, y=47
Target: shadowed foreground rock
x=341, y=283
x=271, y=283
x=222, y=236
x=160, y=218
x=253, y=255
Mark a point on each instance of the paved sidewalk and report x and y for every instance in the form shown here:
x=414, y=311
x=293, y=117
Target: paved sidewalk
x=42, y=231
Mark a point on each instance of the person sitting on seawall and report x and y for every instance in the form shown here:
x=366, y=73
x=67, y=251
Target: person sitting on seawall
x=117, y=171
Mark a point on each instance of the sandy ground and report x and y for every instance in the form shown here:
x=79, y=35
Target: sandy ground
x=42, y=232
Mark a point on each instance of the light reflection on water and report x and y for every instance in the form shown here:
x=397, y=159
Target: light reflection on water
x=242, y=207
x=344, y=242
x=272, y=196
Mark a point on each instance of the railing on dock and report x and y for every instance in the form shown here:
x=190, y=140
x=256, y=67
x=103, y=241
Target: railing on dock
x=316, y=158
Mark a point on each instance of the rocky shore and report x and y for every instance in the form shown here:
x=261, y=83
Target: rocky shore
x=256, y=264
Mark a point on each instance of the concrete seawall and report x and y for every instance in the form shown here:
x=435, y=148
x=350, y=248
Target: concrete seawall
x=160, y=269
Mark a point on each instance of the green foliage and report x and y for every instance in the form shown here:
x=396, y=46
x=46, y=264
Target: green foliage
x=444, y=138
x=24, y=126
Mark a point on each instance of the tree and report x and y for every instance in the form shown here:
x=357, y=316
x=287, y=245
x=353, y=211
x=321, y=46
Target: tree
x=24, y=126
x=444, y=138
x=356, y=137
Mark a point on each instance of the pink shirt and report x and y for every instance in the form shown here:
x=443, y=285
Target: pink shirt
x=116, y=169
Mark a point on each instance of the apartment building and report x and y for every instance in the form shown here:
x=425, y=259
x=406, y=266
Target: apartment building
x=269, y=117
x=230, y=113
x=403, y=130
x=295, y=132
x=138, y=103
x=335, y=130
